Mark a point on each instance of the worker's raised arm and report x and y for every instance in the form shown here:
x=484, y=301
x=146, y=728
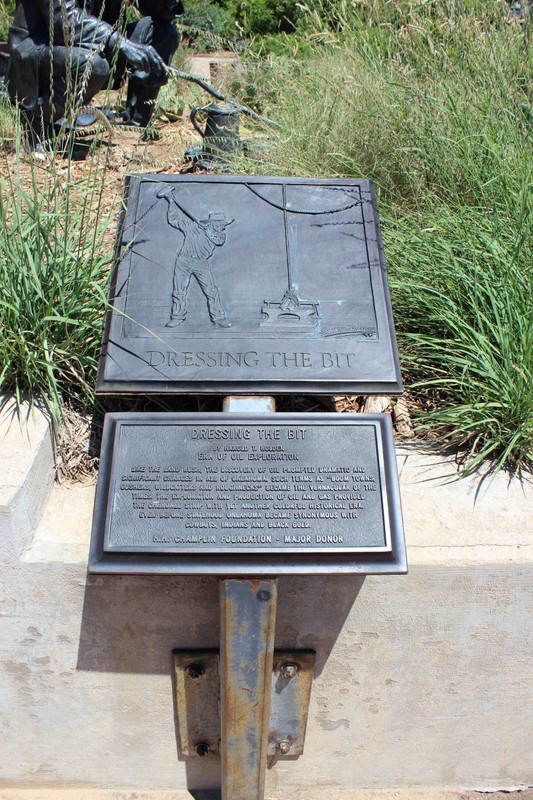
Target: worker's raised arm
x=176, y=215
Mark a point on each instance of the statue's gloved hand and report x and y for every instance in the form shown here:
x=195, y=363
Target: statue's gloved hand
x=143, y=58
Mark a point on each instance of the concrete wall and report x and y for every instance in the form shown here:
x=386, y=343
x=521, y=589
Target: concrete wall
x=421, y=680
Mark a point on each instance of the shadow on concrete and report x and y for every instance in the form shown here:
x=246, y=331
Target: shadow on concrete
x=131, y=624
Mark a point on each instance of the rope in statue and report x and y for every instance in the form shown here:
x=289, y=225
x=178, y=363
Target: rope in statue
x=186, y=76
x=177, y=74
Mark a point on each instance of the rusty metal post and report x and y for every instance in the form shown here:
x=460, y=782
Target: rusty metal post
x=247, y=628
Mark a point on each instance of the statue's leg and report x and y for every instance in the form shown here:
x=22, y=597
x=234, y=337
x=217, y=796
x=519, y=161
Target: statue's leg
x=142, y=92
x=69, y=80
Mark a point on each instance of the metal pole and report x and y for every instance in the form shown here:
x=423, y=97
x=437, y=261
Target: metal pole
x=247, y=628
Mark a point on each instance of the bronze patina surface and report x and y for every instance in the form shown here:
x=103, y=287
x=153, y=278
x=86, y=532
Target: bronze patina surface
x=247, y=494
x=247, y=284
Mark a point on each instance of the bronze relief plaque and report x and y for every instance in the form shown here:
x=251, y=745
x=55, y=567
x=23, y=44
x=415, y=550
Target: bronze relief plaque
x=232, y=284
x=247, y=494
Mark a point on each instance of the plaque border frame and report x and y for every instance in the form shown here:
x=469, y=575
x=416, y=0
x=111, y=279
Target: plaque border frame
x=391, y=561
x=241, y=385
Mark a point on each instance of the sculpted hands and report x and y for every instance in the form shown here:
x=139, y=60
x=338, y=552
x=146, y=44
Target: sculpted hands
x=143, y=58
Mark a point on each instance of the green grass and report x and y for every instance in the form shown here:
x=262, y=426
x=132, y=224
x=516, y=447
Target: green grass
x=431, y=100
x=8, y=121
x=7, y=9
x=463, y=308
x=54, y=264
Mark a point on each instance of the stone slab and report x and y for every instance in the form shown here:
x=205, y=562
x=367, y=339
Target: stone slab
x=27, y=475
x=420, y=680
x=483, y=518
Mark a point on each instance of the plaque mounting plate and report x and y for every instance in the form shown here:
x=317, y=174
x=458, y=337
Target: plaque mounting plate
x=249, y=284
x=197, y=691
x=247, y=494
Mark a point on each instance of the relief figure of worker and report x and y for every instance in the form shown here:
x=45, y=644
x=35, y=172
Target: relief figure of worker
x=200, y=238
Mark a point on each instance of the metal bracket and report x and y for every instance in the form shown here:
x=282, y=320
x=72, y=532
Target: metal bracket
x=197, y=690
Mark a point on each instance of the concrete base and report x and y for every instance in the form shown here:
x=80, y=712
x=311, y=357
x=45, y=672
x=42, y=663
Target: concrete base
x=421, y=680
x=27, y=473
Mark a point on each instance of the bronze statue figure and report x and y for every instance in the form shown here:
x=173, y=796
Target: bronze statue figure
x=60, y=47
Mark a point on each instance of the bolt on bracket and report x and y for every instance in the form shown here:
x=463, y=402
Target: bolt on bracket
x=197, y=694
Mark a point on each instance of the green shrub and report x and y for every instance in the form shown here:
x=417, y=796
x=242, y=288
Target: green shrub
x=207, y=25
x=7, y=9
x=266, y=16
x=53, y=272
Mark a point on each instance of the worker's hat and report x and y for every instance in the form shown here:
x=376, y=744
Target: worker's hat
x=217, y=218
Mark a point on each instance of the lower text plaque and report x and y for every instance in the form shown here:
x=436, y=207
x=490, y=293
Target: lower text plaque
x=247, y=494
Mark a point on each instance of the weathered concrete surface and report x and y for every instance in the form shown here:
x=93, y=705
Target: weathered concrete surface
x=26, y=474
x=312, y=794
x=485, y=518
x=421, y=680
